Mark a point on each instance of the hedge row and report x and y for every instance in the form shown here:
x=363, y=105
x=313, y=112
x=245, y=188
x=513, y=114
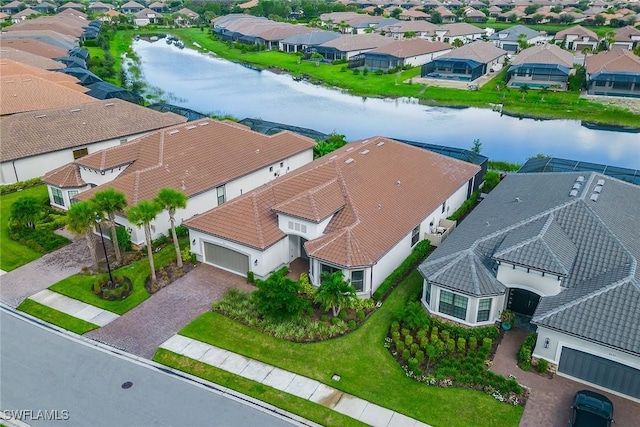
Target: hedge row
x=526, y=350
x=40, y=240
x=11, y=188
x=466, y=207
x=419, y=253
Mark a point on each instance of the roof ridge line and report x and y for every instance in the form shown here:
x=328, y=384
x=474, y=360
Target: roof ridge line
x=254, y=201
x=345, y=193
x=474, y=274
x=525, y=242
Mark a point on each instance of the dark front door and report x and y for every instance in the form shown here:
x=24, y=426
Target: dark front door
x=522, y=301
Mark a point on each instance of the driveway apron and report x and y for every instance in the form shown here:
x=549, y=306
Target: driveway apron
x=141, y=330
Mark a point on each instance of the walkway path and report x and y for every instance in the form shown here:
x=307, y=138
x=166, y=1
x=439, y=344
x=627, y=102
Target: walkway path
x=75, y=308
x=289, y=382
x=141, y=330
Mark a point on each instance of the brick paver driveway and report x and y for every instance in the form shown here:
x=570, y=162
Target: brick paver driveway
x=43, y=272
x=142, y=330
x=550, y=399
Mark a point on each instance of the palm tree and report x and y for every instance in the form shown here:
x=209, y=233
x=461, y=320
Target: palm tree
x=317, y=57
x=171, y=199
x=108, y=202
x=334, y=292
x=81, y=218
x=543, y=91
x=523, y=90
x=142, y=215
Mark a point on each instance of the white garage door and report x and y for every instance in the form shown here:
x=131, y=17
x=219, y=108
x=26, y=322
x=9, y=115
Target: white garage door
x=226, y=258
x=603, y=372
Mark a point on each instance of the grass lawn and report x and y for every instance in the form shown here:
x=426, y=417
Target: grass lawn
x=12, y=253
x=367, y=371
x=80, y=286
x=305, y=408
x=56, y=317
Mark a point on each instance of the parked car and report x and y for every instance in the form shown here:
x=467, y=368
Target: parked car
x=591, y=409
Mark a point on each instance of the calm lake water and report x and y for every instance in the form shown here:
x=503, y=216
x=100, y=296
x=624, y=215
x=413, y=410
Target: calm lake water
x=212, y=85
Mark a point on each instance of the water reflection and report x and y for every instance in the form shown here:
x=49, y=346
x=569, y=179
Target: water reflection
x=212, y=85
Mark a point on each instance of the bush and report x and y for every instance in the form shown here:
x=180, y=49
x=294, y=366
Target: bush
x=414, y=348
x=182, y=231
x=251, y=278
x=352, y=324
x=406, y=355
x=379, y=72
x=526, y=350
x=418, y=254
x=466, y=207
x=10, y=188
x=324, y=317
x=491, y=180
x=335, y=321
x=473, y=343
x=434, y=338
x=543, y=366
x=445, y=334
x=40, y=240
x=487, y=343
x=356, y=72
x=451, y=345
x=360, y=314
x=124, y=238
x=462, y=345
x=408, y=340
x=400, y=345
x=413, y=315
x=278, y=297
x=420, y=356
x=310, y=311
x=343, y=315
x=395, y=335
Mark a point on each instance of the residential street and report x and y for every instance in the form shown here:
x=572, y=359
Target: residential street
x=46, y=370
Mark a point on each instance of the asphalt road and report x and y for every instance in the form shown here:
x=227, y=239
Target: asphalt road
x=44, y=370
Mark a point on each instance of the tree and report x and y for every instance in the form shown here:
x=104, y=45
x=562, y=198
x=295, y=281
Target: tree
x=396, y=12
x=543, y=91
x=334, y=292
x=141, y=215
x=436, y=17
x=81, y=219
x=599, y=20
x=531, y=9
x=332, y=143
x=477, y=146
x=171, y=199
x=279, y=297
x=25, y=212
x=108, y=202
x=317, y=57
x=457, y=42
x=523, y=90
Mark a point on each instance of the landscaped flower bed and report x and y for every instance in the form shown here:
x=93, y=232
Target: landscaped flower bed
x=441, y=354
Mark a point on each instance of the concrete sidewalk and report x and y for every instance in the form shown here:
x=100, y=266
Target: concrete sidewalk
x=289, y=382
x=75, y=308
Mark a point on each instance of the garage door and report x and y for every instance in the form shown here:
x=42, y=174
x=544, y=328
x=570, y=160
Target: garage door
x=226, y=258
x=603, y=372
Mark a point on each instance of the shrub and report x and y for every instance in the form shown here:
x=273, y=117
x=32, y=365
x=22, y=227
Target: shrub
x=487, y=343
x=434, y=338
x=445, y=335
x=360, y=314
x=414, y=348
x=451, y=345
x=343, y=315
x=306, y=288
x=413, y=364
x=352, y=324
x=379, y=72
x=418, y=254
x=400, y=345
x=324, y=317
x=473, y=343
x=10, y=188
x=395, y=335
x=408, y=340
x=182, y=231
x=38, y=239
x=462, y=345
x=278, y=297
x=335, y=321
x=395, y=325
x=466, y=207
x=344, y=69
x=251, y=278
x=526, y=350
x=413, y=315
x=309, y=311
x=356, y=71
x=194, y=258
x=405, y=332
x=543, y=366
x=420, y=356
x=406, y=355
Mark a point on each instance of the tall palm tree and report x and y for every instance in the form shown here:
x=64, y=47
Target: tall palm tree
x=334, y=292
x=142, y=215
x=523, y=90
x=108, y=202
x=171, y=199
x=81, y=218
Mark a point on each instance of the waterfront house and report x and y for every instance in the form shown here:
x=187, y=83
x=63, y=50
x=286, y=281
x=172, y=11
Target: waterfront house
x=510, y=38
x=466, y=63
x=613, y=73
x=577, y=38
x=406, y=52
x=545, y=65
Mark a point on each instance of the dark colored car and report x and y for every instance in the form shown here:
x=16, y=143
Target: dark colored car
x=591, y=409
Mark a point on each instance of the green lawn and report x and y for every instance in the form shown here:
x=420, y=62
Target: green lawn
x=305, y=408
x=368, y=371
x=80, y=286
x=56, y=317
x=12, y=253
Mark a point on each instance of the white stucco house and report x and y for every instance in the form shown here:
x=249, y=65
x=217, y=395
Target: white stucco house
x=34, y=143
x=360, y=209
x=210, y=161
x=562, y=248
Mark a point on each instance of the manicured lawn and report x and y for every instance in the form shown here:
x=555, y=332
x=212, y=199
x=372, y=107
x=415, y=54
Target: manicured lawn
x=12, y=253
x=366, y=367
x=80, y=286
x=305, y=408
x=56, y=317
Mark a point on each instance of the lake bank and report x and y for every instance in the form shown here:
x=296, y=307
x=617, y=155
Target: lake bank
x=561, y=105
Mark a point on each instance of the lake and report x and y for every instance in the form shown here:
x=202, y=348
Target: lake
x=216, y=86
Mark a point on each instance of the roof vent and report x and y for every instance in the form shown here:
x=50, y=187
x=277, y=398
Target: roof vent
x=333, y=157
x=109, y=104
x=380, y=144
x=577, y=186
x=40, y=116
x=75, y=110
x=600, y=182
x=580, y=179
x=573, y=193
x=518, y=199
x=364, y=151
x=350, y=148
x=598, y=189
x=398, y=182
x=173, y=132
x=349, y=160
x=204, y=123
x=594, y=197
x=191, y=127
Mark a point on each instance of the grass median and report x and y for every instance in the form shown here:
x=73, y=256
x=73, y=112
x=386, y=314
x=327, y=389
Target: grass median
x=366, y=368
x=56, y=317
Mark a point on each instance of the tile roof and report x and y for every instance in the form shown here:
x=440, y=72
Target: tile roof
x=22, y=93
x=353, y=42
x=193, y=157
x=460, y=29
x=30, y=59
x=577, y=30
x=67, y=176
x=68, y=25
x=594, y=242
x=34, y=133
x=312, y=38
x=627, y=34
x=616, y=60
x=405, y=26
x=9, y=67
x=392, y=199
x=512, y=34
x=46, y=36
x=34, y=46
x=544, y=54
x=483, y=52
x=411, y=47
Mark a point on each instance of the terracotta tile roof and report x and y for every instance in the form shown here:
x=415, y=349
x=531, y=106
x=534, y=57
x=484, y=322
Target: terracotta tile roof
x=577, y=30
x=61, y=24
x=405, y=26
x=193, y=157
x=616, y=60
x=67, y=176
x=411, y=47
x=30, y=59
x=33, y=133
x=544, y=54
x=35, y=47
x=625, y=34
x=460, y=29
x=377, y=201
x=350, y=42
x=22, y=93
x=46, y=36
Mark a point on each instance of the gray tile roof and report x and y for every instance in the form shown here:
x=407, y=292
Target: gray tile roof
x=596, y=243
x=511, y=34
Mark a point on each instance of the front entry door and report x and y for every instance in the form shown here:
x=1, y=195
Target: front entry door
x=522, y=301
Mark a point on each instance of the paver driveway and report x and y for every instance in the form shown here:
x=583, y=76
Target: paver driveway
x=142, y=330
x=550, y=399
x=43, y=272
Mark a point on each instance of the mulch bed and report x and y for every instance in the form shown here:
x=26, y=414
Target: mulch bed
x=167, y=275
